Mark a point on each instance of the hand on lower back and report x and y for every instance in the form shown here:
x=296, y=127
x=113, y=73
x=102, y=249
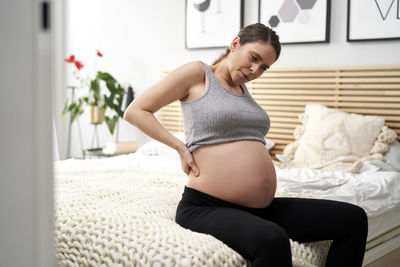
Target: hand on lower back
x=188, y=163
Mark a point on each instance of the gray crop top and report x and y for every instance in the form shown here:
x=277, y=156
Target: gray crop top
x=219, y=116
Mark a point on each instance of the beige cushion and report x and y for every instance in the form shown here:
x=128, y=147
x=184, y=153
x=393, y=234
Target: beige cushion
x=334, y=140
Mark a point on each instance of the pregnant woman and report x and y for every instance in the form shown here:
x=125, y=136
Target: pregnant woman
x=231, y=177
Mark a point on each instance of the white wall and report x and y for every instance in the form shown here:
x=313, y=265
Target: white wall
x=139, y=39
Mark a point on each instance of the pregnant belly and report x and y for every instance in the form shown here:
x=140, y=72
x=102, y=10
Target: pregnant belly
x=240, y=172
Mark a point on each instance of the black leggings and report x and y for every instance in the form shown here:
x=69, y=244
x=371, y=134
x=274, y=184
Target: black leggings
x=262, y=235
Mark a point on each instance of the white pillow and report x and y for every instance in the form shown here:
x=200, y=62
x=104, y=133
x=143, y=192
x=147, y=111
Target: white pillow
x=332, y=139
x=392, y=157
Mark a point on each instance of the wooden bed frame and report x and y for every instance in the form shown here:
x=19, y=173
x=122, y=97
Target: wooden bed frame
x=284, y=92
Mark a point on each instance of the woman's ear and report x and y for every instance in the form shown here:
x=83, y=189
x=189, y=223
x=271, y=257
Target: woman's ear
x=235, y=44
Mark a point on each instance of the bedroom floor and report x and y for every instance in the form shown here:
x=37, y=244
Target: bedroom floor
x=390, y=260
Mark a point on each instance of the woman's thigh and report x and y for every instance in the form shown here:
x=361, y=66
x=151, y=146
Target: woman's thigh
x=246, y=233
x=307, y=220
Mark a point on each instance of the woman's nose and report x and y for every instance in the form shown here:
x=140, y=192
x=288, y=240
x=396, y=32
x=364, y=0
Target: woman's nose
x=254, y=68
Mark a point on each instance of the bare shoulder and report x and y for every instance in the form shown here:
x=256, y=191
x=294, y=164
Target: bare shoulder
x=191, y=72
x=195, y=67
x=175, y=86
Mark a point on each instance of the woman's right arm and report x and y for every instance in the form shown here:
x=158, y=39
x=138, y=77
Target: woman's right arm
x=175, y=86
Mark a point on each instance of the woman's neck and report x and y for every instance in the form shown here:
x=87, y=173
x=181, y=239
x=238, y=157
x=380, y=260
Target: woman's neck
x=221, y=72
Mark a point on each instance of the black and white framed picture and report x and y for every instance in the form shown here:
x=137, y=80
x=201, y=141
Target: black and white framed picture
x=297, y=21
x=212, y=23
x=370, y=20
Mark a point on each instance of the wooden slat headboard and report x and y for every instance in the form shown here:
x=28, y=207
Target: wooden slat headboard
x=284, y=92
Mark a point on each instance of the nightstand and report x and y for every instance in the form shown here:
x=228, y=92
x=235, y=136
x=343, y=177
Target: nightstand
x=111, y=149
x=95, y=153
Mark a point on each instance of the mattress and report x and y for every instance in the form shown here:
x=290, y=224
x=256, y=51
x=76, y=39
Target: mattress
x=121, y=210
x=383, y=235
x=107, y=215
x=383, y=227
x=384, y=223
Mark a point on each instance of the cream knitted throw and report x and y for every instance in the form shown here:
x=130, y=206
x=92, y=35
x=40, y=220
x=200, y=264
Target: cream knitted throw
x=116, y=217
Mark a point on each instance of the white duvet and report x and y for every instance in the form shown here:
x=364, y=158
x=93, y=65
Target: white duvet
x=373, y=188
x=120, y=210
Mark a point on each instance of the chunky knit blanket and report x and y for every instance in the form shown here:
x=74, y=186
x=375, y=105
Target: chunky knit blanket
x=124, y=217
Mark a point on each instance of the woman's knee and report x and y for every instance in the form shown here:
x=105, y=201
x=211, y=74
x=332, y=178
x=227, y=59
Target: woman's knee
x=355, y=221
x=361, y=220
x=273, y=240
x=357, y=217
x=273, y=248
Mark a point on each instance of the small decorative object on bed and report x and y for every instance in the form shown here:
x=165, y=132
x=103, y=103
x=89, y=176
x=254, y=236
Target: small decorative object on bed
x=335, y=140
x=373, y=20
x=212, y=23
x=114, y=148
x=297, y=21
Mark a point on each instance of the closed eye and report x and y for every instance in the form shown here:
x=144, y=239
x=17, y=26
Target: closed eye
x=257, y=58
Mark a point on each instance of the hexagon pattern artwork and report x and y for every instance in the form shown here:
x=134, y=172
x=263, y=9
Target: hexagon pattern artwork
x=306, y=4
x=273, y=21
x=304, y=17
x=298, y=21
x=288, y=11
x=291, y=10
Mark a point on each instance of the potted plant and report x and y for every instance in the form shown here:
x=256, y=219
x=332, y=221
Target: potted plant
x=101, y=104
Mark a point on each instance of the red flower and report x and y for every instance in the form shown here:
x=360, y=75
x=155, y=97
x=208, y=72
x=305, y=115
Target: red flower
x=99, y=53
x=71, y=59
x=78, y=64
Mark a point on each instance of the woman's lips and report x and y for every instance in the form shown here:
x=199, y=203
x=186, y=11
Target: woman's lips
x=245, y=76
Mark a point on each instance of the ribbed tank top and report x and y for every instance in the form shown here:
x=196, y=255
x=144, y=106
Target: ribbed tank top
x=218, y=116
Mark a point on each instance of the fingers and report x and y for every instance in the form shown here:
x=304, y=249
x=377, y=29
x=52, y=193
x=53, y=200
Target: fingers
x=194, y=168
x=191, y=166
x=188, y=164
x=186, y=169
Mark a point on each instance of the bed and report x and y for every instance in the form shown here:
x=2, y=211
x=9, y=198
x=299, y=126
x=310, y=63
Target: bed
x=120, y=211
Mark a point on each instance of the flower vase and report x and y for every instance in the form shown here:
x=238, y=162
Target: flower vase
x=96, y=115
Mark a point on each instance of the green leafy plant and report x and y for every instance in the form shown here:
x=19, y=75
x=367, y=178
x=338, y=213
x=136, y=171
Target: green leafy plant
x=110, y=101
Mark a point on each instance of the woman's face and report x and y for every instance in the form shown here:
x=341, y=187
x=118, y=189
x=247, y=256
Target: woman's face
x=249, y=61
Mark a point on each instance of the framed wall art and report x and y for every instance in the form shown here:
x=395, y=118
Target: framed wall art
x=297, y=21
x=373, y=20
x=212, y=23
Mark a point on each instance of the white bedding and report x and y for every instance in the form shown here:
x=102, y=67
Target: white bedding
x=375, y=191
x=374, y=188
x=111, y=210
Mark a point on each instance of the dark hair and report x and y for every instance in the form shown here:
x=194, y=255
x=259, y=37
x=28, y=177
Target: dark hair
x=253, y=33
